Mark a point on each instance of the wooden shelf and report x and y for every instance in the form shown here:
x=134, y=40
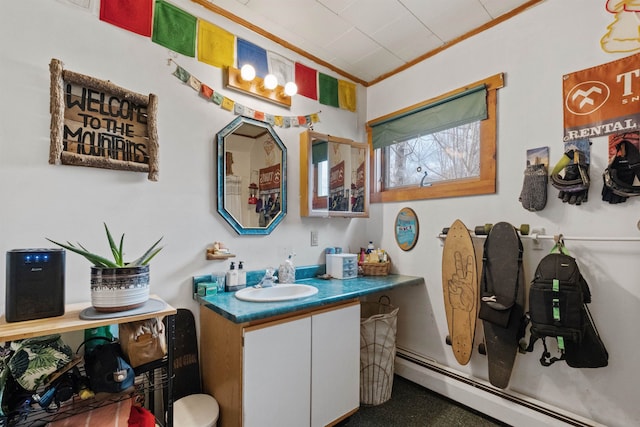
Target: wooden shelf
x=211, y=256
x=70, y=321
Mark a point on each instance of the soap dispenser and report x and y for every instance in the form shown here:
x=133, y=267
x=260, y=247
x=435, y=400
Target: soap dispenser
x=232, y=278
x=242, y=276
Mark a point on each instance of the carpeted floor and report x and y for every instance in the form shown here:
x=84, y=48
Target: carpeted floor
x=412, y=405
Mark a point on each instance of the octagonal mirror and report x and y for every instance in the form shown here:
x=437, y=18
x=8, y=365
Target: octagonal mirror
x=252, y=170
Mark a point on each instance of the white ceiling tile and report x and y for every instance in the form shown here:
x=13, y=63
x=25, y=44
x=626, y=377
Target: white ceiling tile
x=496, y=8
x=352, y=46
x=336, y=6
x=449, y=19
x=406, y=37
x=369, y=15
x=311, y=21
x=375, y=64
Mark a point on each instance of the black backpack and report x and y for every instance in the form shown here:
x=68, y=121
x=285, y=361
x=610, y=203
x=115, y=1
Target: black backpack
x=558, y=299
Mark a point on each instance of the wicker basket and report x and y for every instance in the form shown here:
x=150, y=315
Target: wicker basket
x=378, y=326
x=376, y=268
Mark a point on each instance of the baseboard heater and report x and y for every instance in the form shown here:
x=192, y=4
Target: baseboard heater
x=523, y=401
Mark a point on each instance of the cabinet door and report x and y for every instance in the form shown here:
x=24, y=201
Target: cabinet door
x=277, y=374
x=335, y=367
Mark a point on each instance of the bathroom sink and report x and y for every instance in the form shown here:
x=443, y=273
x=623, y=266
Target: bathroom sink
x=282, y=292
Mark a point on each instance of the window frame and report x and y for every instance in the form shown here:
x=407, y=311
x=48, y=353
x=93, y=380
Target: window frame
x=318, y=201
x=485, y=183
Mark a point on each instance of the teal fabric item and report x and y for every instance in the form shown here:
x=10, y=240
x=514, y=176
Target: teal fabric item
x=459, y=109
x=110, y=332
x=319, y=152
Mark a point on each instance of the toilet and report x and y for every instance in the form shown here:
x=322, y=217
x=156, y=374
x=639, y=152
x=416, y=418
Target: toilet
x=196, y=410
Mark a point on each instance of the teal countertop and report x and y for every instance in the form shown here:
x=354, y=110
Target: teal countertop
x=329, y=292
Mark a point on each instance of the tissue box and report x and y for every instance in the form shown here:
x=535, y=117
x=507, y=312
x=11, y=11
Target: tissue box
x=207, y=288
x=342, y=266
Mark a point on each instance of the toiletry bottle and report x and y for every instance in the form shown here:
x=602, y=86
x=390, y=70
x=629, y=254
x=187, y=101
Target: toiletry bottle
x=287, y=271
x=232, y=278
x=370, y=247
x=242, y=275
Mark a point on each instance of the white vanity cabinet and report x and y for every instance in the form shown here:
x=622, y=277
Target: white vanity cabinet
x=293, y=370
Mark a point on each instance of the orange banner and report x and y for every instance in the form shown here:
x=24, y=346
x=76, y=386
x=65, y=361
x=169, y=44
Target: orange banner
x=602, y=100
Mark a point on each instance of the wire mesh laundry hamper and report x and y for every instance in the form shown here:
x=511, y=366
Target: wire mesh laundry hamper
x=378, y=326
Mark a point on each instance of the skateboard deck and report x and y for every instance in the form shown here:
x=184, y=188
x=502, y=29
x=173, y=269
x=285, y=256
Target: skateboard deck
x=503, y=274
x=460, y=289
x=186, y=367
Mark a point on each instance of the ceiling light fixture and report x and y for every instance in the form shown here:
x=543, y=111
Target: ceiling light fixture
x=270, y=82
x=290, y=89
x=259, y=87
x=247, y=72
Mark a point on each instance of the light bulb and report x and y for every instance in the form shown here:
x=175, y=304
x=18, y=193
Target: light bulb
x=247, y=72
x=290, y=89
x=270, y=82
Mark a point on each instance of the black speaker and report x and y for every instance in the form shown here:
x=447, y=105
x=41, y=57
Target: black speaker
x=35, y=284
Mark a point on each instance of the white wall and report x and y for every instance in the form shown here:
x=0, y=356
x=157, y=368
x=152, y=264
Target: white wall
x=534, y=50
x=39, y=200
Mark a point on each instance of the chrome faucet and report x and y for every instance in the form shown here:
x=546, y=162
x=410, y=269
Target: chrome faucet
x=268, y=280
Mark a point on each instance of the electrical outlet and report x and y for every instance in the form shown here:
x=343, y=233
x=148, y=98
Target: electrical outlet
x=314, y=238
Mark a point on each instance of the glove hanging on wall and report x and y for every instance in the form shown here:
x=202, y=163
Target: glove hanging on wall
x=534, y=188
x=619, y=175
x=574, y=184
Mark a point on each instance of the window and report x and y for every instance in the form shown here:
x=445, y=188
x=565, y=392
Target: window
x=323, y=178
x=442, y=147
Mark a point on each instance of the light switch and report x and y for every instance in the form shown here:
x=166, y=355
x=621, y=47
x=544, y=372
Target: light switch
x=314, y=238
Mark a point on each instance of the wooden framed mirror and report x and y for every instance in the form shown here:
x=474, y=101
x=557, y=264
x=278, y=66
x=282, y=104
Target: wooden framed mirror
x=334, y=176
x=252, y=170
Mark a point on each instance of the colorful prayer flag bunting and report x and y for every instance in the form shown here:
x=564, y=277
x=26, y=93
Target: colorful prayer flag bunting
x=215, y=45
x=206, y=91
x=182, y=74
x=281, y=67
x=134, y=16
x=328, y=90
x=347, y=95
x=194, y=83
x=306, y=79
x=249, y=53
x=174, y=28
x=228, y=104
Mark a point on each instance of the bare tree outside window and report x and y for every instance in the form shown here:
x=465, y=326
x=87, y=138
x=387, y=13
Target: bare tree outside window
x=447, y=155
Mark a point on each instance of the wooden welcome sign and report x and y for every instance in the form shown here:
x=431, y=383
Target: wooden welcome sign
x=98, y=124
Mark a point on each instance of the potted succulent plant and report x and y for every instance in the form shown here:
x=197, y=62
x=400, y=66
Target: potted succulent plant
x=116, y=285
